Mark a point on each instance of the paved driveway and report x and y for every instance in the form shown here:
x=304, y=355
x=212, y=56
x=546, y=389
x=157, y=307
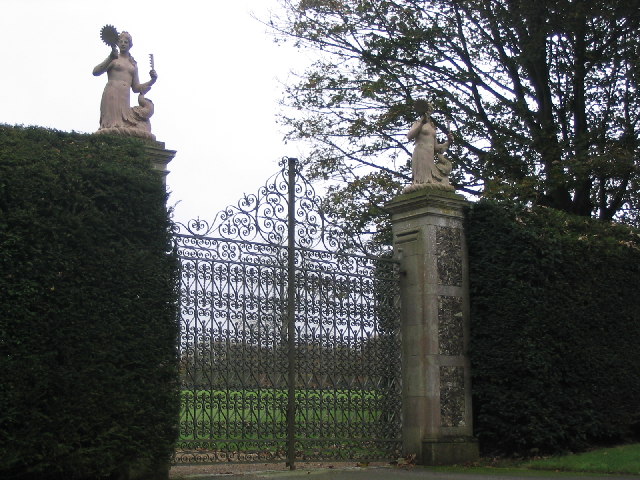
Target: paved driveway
x=377, y=473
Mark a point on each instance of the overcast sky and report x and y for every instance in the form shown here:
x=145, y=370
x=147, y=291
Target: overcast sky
x=216, y=98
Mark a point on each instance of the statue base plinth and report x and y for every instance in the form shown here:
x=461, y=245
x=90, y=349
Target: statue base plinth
x=127, y=132
x=442, y=187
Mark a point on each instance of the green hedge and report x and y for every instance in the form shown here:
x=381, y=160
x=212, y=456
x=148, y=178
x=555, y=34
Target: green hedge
x=88, y=361
x=555, y=330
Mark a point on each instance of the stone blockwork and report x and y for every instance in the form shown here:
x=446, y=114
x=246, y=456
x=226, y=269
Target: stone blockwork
x=430, y=243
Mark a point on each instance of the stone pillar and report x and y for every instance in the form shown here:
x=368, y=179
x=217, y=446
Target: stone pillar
x=142, y=469
x=160, y=157
x=429, y=240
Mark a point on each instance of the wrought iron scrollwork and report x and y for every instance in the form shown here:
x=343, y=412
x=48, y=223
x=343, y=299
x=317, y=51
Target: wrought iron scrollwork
x=276, y=333
x=263, y=217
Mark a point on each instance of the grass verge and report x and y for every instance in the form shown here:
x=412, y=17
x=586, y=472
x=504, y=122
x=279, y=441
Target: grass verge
x=621, y=459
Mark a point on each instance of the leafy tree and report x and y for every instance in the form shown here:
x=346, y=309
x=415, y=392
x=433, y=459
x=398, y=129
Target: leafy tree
x=541, y=96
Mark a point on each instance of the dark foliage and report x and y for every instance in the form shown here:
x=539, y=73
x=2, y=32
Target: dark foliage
x=555, y=330
x=88, y=361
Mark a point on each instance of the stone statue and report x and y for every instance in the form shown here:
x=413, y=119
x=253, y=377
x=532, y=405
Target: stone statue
x=116, y=114
x=430, y=167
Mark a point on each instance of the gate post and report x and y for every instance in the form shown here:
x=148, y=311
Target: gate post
x=430, y=243
x=159, y=157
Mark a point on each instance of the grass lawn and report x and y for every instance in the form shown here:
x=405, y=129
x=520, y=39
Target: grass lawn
x=621, y=459
x=624, y=459
x=251, y=414
x=350, y=422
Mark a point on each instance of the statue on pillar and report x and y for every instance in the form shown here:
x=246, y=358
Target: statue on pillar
x=430, y=167
x=116, y=114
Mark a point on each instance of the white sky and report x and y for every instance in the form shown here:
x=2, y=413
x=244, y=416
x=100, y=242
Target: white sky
x=219, y=81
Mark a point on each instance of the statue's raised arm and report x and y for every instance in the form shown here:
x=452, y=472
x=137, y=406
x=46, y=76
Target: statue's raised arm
x=116, y=114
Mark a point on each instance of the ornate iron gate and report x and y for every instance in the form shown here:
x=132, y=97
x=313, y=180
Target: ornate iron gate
x=290, y=336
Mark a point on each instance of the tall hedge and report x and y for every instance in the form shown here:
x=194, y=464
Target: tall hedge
x=88, y=361
x=555, y=330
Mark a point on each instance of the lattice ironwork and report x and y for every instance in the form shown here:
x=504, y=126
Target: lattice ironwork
x=265, y=378
x=263, y=217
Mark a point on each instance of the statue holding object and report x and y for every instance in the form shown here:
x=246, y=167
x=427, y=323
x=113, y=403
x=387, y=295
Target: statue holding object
x=116, y=114
x=430, y=167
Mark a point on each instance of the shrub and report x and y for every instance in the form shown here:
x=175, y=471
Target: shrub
x=555, y=329
x=88, y=362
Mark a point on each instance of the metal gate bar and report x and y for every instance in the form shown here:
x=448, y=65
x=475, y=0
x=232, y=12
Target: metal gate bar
x=291, y=314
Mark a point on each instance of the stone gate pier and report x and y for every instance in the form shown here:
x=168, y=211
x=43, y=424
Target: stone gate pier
x=429, y=241
x=159, y=157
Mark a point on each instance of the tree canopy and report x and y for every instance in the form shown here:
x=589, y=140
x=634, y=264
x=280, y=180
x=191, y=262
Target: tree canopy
x=541, y=97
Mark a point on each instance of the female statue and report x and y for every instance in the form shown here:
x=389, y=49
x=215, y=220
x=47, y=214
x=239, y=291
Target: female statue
x=116, y=114
x=429, y=165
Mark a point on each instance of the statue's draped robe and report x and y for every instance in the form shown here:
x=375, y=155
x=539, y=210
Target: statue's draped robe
x=115, y=108
x=422, y=160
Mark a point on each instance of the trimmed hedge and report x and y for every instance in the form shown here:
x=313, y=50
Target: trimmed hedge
x=555, y=330
x=88, y=329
